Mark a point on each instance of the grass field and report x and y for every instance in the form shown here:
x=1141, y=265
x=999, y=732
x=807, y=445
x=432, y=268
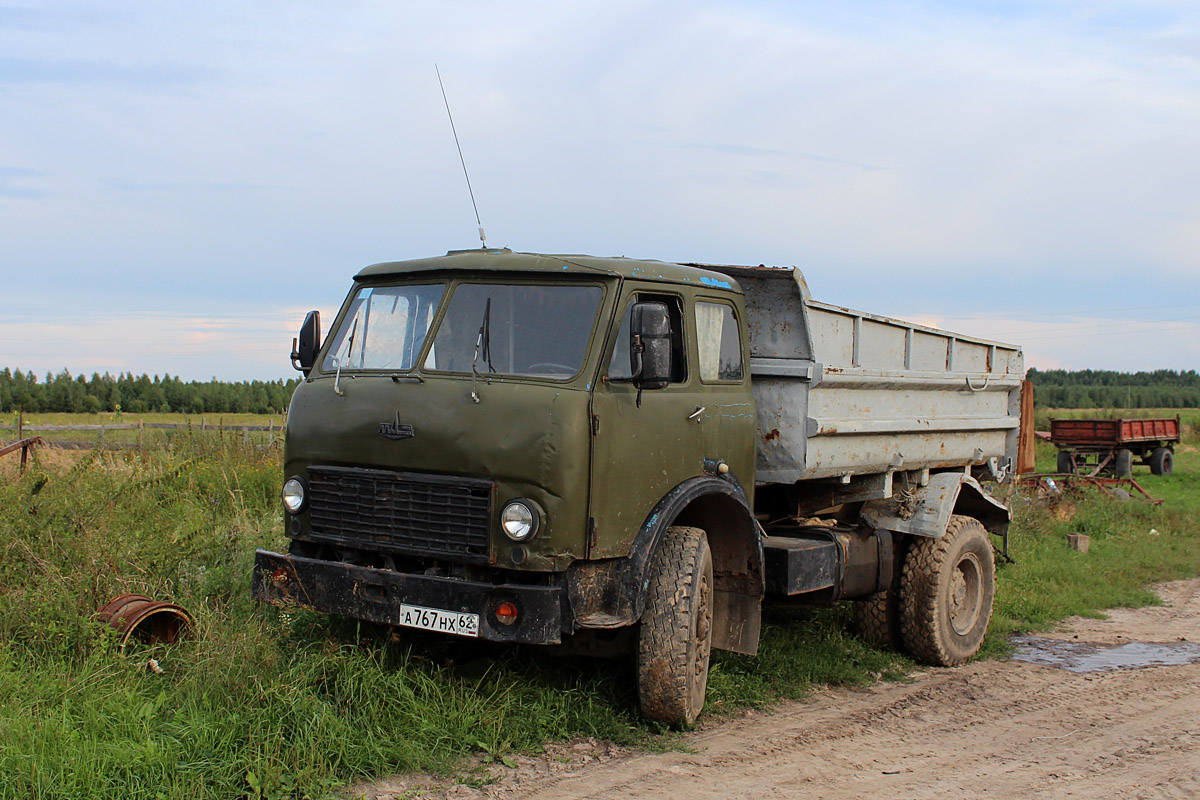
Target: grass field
x=190, y=426
x=260, y=704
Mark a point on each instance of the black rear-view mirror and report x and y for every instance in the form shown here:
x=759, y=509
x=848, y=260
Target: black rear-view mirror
x=306, y=345
x=650, y=345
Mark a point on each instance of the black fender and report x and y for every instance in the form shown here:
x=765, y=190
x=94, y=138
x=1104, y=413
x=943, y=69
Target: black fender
x=612, y=593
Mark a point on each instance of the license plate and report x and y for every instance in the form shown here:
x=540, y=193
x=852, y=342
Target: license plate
x=436, y=619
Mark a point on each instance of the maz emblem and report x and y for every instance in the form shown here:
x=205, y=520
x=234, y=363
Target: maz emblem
x=395, y=430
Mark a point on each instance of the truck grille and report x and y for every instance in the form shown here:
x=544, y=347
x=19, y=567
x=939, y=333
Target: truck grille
x=401, y=512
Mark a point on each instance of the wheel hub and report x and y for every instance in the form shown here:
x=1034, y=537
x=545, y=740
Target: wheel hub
x=966, y=596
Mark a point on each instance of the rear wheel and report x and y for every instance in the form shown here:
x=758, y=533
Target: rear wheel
x=676, y=631
x=1123, y=463
x=1162, y=461
x=1065, y=464
x=946, y=593
x=877, y=616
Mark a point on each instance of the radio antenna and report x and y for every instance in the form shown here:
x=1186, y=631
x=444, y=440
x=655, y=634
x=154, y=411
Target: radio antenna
x=482, y=238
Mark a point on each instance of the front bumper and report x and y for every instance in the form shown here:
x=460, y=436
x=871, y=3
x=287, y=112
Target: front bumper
x=376, y=595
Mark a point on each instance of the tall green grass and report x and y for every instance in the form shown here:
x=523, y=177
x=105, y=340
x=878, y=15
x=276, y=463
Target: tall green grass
x=256, y=703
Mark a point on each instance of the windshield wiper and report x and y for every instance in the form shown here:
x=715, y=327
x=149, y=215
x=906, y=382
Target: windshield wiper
x=337, y=379
x=483, y=343
x=350, y=341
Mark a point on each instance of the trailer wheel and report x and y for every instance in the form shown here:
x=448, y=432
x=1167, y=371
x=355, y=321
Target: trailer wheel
x=877, y=616
x=1066, y=465
x=675, y=638
x=946, y=593
x=1162, y=461
x=1123, y=463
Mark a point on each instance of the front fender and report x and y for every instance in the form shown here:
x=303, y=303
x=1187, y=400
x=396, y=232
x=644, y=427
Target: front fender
x=611, y=593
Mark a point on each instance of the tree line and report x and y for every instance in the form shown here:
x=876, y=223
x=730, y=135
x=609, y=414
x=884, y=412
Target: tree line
x=1056, y=388
x=143, y=394
x=1092, y=388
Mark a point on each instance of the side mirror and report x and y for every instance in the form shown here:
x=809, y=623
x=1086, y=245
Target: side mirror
x=650, y=345
x=306, y=345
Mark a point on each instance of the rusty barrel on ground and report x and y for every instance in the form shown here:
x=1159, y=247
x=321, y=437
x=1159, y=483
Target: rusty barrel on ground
x=151, y=621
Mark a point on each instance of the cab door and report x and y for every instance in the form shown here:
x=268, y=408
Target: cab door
x=722, y=360
x=641, y=453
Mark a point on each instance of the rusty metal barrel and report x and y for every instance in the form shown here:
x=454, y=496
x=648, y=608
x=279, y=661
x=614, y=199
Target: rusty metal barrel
x=151, y=621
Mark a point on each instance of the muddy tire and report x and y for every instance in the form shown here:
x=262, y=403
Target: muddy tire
x=1066, y=465
x=1123, y=463
x=675, y=636
x=877, y=616
x=946, y=593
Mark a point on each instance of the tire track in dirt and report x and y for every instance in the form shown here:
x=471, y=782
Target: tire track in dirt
x=990, y=729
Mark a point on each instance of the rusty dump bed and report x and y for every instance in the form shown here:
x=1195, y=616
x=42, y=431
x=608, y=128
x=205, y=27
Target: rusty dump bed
x=1112, y=432
x=844, y=393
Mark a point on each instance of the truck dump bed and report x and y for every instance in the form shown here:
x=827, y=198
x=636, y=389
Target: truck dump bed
x=843, y=393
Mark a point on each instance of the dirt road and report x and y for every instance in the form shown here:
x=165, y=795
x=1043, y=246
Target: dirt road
x=1006, y=729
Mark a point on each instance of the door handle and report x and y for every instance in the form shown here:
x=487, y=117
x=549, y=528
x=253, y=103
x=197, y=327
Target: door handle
x=696, y=414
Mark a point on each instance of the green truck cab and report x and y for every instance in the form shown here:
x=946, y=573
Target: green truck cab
x=544, y=449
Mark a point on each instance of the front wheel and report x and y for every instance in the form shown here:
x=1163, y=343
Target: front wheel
x=676, y=631
x=1123, y=463
x=946, y=593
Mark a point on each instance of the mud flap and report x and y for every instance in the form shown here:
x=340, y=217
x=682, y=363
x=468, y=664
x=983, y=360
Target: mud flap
x=926, y=512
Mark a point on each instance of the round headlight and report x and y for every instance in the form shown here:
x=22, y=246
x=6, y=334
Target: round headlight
x=520, y=520
x=293, y=495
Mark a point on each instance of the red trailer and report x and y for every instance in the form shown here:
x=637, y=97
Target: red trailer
x=1095, y=446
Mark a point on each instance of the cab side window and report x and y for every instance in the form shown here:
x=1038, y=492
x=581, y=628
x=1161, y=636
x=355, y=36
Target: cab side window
x=618, y=366
x=718, y=342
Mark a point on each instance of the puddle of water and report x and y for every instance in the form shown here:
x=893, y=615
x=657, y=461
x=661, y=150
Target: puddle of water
x=1088, y=657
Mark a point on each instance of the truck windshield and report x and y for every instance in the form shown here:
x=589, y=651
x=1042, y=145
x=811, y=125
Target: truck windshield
x=384, y=328
x=532, y=330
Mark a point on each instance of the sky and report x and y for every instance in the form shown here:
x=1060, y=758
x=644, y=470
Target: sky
x=181, y=182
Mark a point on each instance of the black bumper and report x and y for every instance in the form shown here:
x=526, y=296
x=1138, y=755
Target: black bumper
x=376, y=595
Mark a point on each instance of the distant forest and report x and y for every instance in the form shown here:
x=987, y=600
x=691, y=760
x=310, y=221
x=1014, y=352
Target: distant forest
x=1090, y=388
x=125, y=393
x=1054, y=388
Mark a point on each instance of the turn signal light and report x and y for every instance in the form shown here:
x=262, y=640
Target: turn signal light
x=506, y=613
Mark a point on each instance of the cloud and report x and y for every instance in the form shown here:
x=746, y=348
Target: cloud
x=145, y=77
x=232, y=346
x=10, y=177
x=24, y=19
x=1114, y=342
x=208, y=160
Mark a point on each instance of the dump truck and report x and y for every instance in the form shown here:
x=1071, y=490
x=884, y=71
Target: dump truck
x=615, y=455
